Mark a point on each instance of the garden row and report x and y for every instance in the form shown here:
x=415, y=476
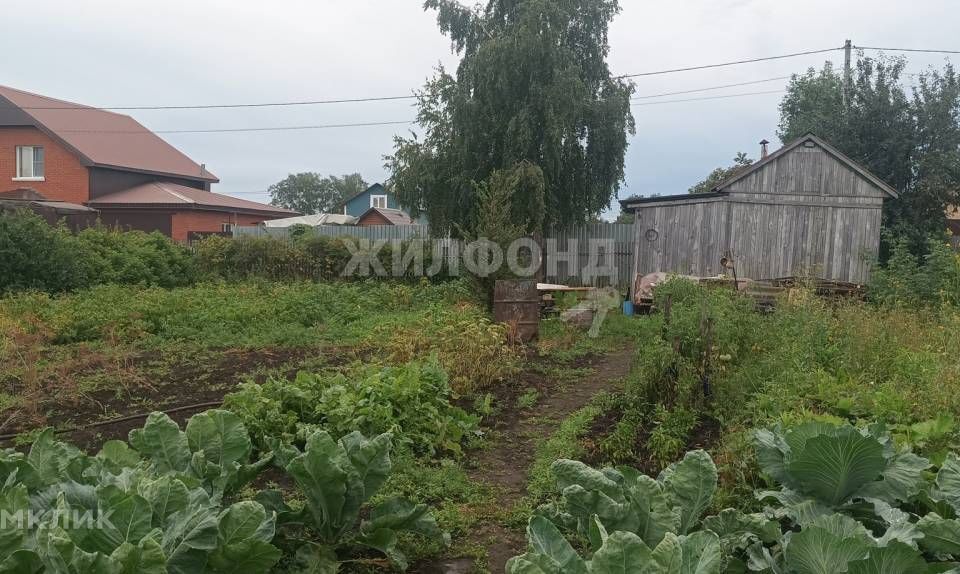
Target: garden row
x=169, y=501
x=820, y=437
x=427, y=369
x=112, y=350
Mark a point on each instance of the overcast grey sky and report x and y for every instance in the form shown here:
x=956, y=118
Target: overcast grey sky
x=123, y=52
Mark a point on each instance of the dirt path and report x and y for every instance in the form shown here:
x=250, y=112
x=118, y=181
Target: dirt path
x=506, y=465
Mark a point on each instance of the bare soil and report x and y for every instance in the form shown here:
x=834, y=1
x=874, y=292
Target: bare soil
x=185, y=385
x=506, y=466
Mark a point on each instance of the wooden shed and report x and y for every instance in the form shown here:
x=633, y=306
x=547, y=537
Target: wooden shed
x=804, y=210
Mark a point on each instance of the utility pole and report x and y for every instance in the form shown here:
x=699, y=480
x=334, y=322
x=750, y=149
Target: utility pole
x=847, y=73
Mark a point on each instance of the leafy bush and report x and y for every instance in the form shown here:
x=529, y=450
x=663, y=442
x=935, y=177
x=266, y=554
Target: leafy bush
x=34, y=255
x=807, y=357
x=473, y=350
x=412, y=401
x=850, y=501
x=933, y=279
x=138, y=258
x=670, y=434
x=306, y=256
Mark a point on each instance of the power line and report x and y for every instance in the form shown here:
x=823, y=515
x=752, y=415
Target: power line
x=257, y=129
x=734, y=63
x=710, y=88
x=908, y=50
x=411, y=97
x=225, y=106
x=369, y=124
x=708, y=98
x=356, y=100
x=404, y=97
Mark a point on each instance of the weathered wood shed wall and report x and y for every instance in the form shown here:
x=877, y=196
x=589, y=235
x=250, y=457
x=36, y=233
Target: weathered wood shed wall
x=804, y=210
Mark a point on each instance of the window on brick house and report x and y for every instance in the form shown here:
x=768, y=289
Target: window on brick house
x=226, y=228
x=30, y=162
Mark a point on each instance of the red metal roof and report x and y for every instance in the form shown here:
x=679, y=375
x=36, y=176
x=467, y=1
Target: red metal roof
x=105, y=138
x=163, y=194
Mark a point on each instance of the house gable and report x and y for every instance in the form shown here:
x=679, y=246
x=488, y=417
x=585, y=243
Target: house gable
x=359, y=203
x=99, y=137
x=65, y=178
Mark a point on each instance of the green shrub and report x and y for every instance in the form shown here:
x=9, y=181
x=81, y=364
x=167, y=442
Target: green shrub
x=34, y=255
x=305, y=256
x=807, y=358
x=670, y=434
x=931, y=280
x=411, y=401
x=138, y=258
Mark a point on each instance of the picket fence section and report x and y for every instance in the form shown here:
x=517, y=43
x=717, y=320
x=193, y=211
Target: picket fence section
x=580, y=248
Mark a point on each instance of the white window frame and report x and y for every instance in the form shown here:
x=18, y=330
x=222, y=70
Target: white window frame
x=374, y=199
x=31, y=176
x=226, y=227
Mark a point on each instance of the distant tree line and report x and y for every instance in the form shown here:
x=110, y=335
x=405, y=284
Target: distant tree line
x=311, y=193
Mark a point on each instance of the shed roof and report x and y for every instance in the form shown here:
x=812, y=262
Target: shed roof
x=163, y=194
x=631, y=203
x=393, y=216
x=103, y=139
x=809, y=137
x=312, y=220
x=63, y=207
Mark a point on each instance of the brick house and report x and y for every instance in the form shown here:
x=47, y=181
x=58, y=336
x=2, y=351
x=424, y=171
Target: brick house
x=66, y=152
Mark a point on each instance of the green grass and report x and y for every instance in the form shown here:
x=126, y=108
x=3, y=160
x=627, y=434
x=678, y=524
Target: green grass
x=810, y=357
x=118, y=344
x=248, y=314
x=564, y=443
x=459, y=504
x=528, y=399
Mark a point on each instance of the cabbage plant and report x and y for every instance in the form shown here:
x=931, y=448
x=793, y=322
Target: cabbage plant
x=849, y=501
x=338, y=478
x=125, y=511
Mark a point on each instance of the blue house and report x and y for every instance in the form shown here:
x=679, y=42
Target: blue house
x=374, y=196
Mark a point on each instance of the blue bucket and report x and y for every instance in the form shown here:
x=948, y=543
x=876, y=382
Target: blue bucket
x=628, y=308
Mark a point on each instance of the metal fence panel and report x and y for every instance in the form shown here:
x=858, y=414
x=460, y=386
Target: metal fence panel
x=372, y=232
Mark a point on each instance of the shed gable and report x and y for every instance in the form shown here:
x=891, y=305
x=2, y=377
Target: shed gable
x=806, y=171
x=808, y=167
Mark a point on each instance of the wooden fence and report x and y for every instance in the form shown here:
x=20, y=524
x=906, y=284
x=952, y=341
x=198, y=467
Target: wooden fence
x=573, y=256
x=572, y=252
x=371, y=232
